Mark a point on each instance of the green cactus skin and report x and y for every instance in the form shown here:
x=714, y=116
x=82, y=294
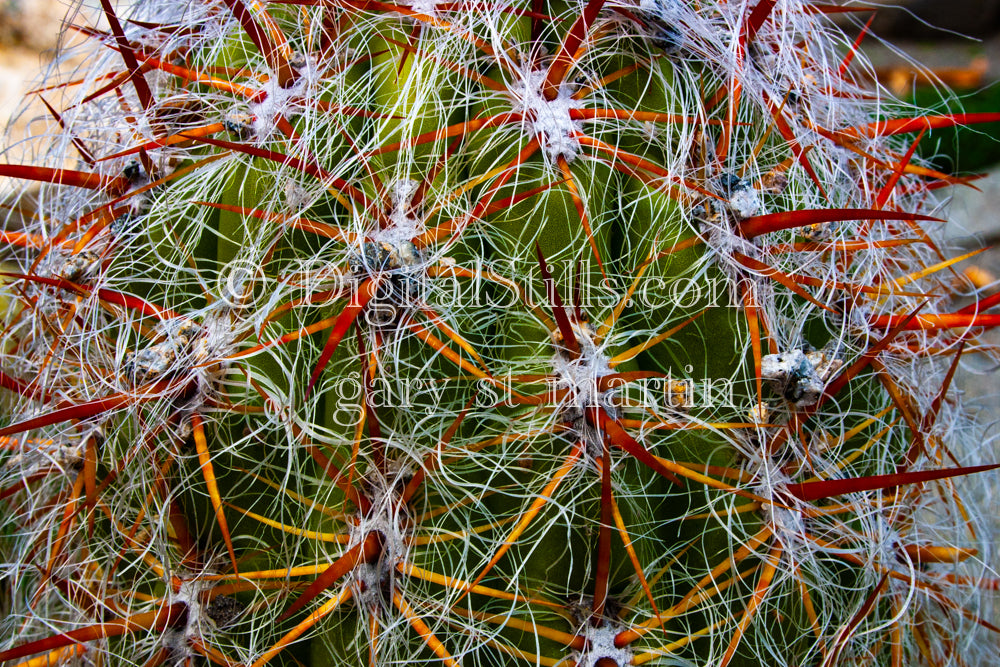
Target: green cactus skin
x=550, y=333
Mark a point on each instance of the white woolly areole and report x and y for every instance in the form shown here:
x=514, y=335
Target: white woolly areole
x=388, y=518
x=405, y=227
x=723, y=243
x=277, y=100
x=298, y=198
x=549, y=120
x=665, y=10
x=787, y=524
x=721, y=238
x=886, y=542
x=219, y=336
x=782, y=515
x=188, y=593
x=402, y=192
x=388, y=523
x=601, y=644
x=426, y=7
x=581, y=375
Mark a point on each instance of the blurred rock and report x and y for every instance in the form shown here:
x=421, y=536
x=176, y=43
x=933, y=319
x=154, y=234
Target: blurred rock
x=29, y=32
x=32, y=25
x=974, y=222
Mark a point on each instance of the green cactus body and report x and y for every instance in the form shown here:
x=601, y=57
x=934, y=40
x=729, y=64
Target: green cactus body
x=555, y=334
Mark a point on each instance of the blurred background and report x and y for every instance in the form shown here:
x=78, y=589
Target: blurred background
x=957, y=41
x=29, y=30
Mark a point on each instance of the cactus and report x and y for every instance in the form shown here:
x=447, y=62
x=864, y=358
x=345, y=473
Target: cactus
x=550, y=333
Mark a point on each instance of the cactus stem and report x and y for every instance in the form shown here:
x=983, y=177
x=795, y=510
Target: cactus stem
x=315, y=617
x=420, y=627
x=251, y=174
x=276, y=59
x=581, y=210
x=536, y=506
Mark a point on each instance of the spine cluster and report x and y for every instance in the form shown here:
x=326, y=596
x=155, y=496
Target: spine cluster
x=556, y=333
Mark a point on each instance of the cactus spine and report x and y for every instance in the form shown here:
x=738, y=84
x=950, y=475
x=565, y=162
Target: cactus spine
x=550, y=333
